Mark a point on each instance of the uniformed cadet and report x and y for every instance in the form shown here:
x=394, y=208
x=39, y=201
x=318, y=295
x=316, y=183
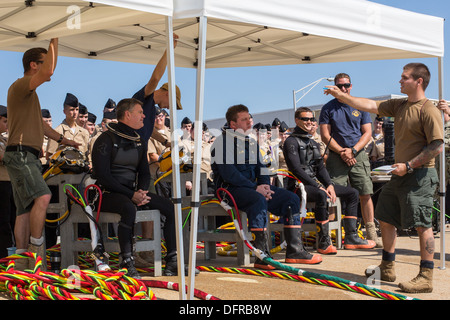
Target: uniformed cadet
x=283, y=133
x=110, y=106
x=90, y=124
x=316, y=136
x=263, y=134
x=82, y=115
x=70, y=129
x=205, y=165
x=375, y=148
x=155, y=147
x=186, y=126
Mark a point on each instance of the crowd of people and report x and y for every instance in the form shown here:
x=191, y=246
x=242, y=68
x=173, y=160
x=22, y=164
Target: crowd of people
x=330, y=156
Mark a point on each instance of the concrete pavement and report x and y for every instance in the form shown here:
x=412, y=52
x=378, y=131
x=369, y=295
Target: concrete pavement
x=346, y=264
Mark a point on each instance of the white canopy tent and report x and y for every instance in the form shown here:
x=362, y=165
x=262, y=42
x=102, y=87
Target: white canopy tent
x=269, y=32
x=219, y=34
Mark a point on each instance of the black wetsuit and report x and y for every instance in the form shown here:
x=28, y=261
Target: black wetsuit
x=121, y=167
x=305, y=162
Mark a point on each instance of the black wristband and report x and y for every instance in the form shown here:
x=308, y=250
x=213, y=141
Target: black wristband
x=61, y=138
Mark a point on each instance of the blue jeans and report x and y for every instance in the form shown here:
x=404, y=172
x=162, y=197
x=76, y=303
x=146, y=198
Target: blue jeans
x=256, y=206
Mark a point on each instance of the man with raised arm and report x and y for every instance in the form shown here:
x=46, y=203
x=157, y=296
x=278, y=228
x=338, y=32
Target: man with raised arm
x=406, y=200
x=26, y=136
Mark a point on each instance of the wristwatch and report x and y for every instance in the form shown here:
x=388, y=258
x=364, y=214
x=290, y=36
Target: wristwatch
x=354, y=151
x=408, y=167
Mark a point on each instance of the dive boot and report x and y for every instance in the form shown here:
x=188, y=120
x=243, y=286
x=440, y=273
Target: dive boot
x=128, y=263
x=352, y=239
x=171, y=267
x=325, y=246
x=295, y=251
x=260, y=243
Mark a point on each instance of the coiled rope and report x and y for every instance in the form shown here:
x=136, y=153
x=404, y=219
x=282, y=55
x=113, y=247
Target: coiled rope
x=42, y=285
x=77, y=284
x=301, y=274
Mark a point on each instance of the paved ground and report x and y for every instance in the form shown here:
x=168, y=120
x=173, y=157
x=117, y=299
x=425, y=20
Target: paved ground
x=347, y=264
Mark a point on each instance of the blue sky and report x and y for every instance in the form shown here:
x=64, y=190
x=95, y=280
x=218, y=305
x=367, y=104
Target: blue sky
x=260, y=88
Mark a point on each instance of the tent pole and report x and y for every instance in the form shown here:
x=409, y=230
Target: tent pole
x=442, y=171
x=195, y=201
x=176, y=186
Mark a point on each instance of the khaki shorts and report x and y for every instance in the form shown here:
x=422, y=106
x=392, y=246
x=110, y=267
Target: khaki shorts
x=25, y=172
x=358, y=175
x=407, y=202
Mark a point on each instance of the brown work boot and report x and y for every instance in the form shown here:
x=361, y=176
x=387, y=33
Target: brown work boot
x=40, y=251
x=371, y=234
x=422, y=283
x=387, y=271
x=21, y=264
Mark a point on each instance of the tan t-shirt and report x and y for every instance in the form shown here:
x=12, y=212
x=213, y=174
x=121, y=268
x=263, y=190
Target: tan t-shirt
x=24, y=115
x=416, y=125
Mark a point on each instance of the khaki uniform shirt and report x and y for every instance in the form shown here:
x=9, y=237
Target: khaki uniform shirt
x=154, y=146
x=316, y=137
x=25, y=124
x=78, y=134
x=205, y=165
x=416, y=125
x=375, y=148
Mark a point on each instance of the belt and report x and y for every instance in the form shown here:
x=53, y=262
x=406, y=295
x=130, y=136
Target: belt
x=22, y=148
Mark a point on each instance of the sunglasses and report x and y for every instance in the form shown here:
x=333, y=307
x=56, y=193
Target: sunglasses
x=308, y=119
x=39, y=61
x=344, y=85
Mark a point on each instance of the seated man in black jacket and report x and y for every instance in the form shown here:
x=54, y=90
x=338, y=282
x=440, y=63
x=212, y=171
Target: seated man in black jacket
x=303, y=158
x=120, y=165
x=237, y=167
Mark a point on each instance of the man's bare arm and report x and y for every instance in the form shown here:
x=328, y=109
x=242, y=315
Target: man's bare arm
x=430, y=152
x=362, y=104
x=159, y=71
x=366, y=130
x=48, y=66
x=325, y=130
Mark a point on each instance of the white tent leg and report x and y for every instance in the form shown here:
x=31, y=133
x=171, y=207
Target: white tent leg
x=176, y=186
x=195, y=202
x=442, y=172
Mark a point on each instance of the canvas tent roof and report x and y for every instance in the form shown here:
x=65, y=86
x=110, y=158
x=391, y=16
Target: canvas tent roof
x=240, y=33
x=85, y=29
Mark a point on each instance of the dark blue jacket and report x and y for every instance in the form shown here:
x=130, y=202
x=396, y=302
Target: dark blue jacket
x=235, y=161
x=148, y=105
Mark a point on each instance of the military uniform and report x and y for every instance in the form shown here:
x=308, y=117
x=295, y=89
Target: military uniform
x=154, y=146
x=77, y=134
